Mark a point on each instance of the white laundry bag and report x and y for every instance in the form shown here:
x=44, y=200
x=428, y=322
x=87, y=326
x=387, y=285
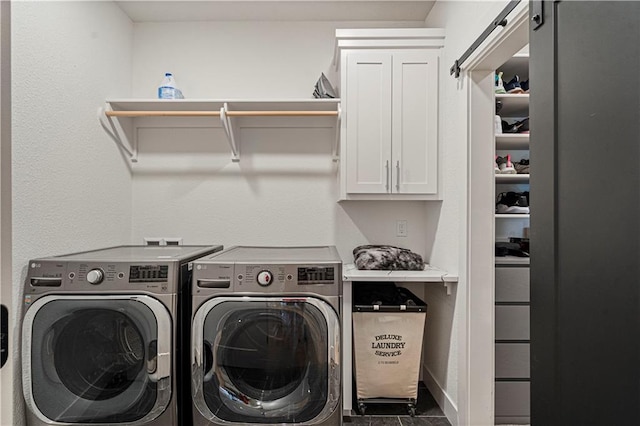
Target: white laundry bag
x=387, y=348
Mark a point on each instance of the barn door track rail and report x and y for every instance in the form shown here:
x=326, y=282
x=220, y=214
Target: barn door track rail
x=499, y=21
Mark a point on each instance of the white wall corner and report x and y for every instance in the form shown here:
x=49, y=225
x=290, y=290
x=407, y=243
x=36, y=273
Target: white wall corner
x=441, y=396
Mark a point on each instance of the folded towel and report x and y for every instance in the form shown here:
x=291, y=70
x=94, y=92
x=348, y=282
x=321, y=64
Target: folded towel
x=387, y=258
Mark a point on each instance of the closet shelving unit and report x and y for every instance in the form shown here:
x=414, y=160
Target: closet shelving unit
x=512, y=359
x=119, y=116
x=513, y=105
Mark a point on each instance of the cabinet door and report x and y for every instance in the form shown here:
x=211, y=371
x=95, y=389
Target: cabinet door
x=368, y=122
x=415, y=122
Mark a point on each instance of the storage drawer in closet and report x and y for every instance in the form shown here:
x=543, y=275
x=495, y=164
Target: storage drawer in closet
x=512, y=284
x=513, y=400
x=512, y=361
x=512, y=322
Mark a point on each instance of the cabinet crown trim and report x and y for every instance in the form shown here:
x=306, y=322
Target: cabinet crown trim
x=384, y=38
x=391, y=34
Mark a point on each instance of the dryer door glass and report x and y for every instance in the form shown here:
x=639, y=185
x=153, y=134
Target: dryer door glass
x=267, y=360
x=93, y=360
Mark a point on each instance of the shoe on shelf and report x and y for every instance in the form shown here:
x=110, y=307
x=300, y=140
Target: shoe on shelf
x=509, y=249
x=496, y=167
x=498, y=86
x=523, y=126
x=513, y=86
x=517, y=127
x=513, y=203
x=506, y=166
x=509, y=127
x=498, y=106
x=525, y=86
x=522, y=167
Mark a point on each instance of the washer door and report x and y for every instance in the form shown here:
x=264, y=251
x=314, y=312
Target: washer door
x=266, y=360
x=97, y=359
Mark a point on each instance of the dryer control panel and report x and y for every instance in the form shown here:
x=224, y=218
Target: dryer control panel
x=267, y=278
x=261, y=269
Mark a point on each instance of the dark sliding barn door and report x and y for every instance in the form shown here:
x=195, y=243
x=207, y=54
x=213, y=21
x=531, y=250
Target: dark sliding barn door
x=585, y=213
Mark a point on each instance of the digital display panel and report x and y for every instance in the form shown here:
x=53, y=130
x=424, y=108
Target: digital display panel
x=316, y=275
x=148, y=273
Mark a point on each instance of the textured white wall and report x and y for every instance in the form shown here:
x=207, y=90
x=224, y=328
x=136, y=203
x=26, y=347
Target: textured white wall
x=71, y=186
x=284, y=190
x=241, y=59
x=464, y=21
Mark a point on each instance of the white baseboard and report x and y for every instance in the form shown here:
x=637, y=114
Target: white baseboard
x=445, y=402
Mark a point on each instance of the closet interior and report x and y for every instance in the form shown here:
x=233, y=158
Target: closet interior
x=512, y=359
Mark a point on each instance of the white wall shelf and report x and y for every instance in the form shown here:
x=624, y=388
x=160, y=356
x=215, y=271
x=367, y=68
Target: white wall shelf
x=512, y=141
x=515, y=178
x=113, y=115
x=512, y=260
x=514, y=105
x=429, y=275
x=512, y=216
x=516, y=65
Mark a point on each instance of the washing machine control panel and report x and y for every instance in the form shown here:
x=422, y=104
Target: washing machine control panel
x=266, y=277
x=319, y=278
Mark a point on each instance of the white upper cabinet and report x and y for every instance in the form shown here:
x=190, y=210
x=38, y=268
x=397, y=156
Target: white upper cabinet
x=415, y=122
x=368, y=122
x=389, y=135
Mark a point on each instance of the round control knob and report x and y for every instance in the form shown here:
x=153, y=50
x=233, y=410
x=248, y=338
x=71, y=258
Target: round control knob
x=95, y=276
x=265, y=278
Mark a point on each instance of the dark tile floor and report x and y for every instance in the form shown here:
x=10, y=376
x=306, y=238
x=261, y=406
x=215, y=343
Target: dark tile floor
x=428, y=413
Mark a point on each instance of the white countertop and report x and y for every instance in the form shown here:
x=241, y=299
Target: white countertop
x=429, y=274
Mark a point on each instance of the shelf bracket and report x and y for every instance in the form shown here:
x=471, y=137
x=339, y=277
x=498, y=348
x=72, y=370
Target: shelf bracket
x=116, y=133
x=447, y=287
x=447, y=284
x=336, y=145
x=228, y=130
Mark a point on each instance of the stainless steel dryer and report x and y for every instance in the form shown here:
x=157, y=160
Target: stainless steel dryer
x=101, y=339
x=266, y=337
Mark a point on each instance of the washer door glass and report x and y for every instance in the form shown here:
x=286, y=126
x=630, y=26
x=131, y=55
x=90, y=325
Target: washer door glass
x=93, y=360
x=264, y=360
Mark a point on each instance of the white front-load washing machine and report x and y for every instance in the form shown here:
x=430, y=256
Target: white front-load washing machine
x=266, y=337
x=101, y=336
